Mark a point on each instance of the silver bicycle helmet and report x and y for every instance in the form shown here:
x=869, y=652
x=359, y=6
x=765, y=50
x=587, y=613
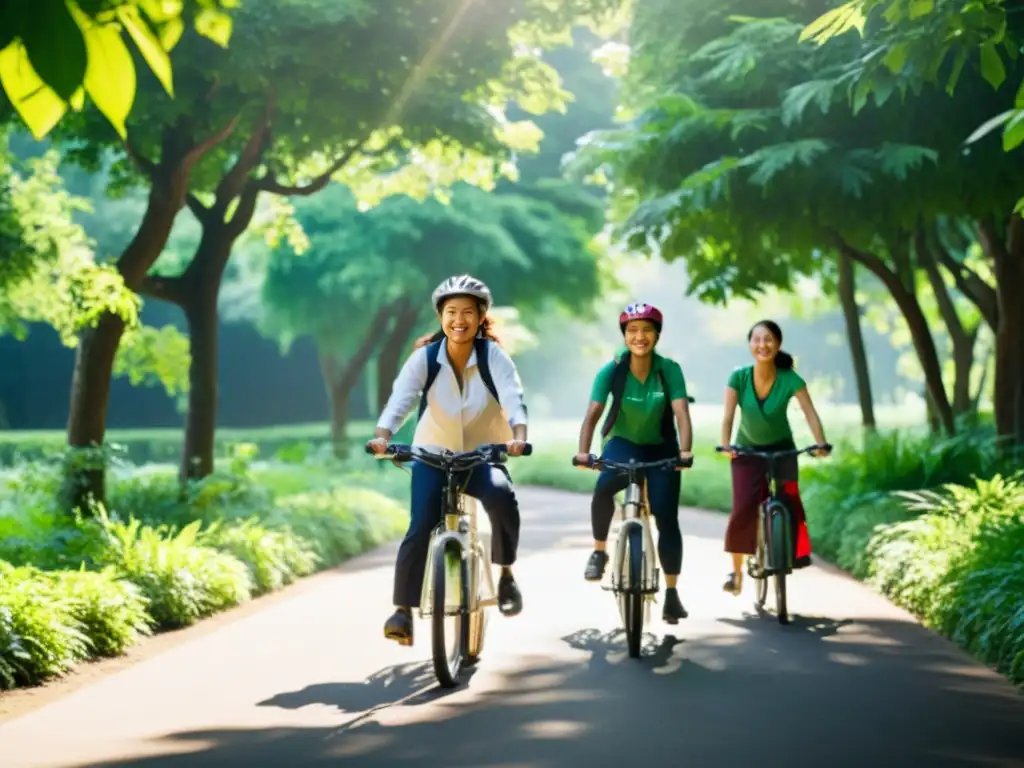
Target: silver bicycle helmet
x=462, y=285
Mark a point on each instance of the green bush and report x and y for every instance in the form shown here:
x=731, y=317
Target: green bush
x=848, y=496
x=958, y=567
x=111, y=611
x=274, y=557
x=182, y=580
x=39, y=634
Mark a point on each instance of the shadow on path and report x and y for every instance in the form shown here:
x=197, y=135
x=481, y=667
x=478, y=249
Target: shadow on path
x=818, y=692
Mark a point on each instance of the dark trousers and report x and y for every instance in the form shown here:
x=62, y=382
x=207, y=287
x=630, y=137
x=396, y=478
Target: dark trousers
x=488, y=485
x=662, y=493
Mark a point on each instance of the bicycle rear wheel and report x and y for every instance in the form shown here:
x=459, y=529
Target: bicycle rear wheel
x=781, y=547
x=450, y=641
x=632, y=599
x=760, y=579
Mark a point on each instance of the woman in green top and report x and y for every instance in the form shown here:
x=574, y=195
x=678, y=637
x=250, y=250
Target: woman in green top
x=649, y=393
x=763, y=391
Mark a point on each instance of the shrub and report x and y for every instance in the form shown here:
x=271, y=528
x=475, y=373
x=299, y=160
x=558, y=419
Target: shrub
x=39, y=634
x=274, y=557
x=958, y=566
x=339, y=524
x=182, y=580
x=848, y=496
x=110, y=610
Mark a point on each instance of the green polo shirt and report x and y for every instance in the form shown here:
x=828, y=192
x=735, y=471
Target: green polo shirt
x=639, y=419
x=763, y=424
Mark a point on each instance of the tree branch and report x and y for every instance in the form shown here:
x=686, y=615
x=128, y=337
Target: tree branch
x=957, y=333
x=234, y=181
x=270, y=184
x=204, y=146
x=243, y=214
x=970, y=284
x=200, y=211
x=146, y=166
x=169, y=289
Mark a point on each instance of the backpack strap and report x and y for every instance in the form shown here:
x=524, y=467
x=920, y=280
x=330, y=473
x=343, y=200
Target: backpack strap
x=668, y=426
x=618, y=388
x=483, y=364
x=433, y=366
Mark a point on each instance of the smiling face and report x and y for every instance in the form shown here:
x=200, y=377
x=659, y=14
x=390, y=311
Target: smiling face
x=763, y=344
x=460, y=319
x=640, y=337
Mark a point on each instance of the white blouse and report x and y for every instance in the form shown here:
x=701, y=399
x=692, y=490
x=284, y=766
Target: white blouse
x=459, y=420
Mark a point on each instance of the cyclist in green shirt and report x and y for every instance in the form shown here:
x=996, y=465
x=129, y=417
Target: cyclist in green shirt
x=763, y=391
x=649, y=403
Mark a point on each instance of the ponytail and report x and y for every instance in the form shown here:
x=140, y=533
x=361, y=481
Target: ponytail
x=783, y=361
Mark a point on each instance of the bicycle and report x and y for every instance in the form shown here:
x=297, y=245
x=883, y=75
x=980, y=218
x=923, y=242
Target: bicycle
x=634, y=575
x=458, y=564
x=774, y=550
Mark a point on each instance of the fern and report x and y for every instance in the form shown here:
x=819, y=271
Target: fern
x=772, y=160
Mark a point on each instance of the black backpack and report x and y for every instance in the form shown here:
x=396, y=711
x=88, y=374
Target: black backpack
x=668, y=427
x=433, y=366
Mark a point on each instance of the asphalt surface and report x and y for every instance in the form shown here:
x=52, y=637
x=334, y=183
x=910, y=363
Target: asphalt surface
x=309, y=680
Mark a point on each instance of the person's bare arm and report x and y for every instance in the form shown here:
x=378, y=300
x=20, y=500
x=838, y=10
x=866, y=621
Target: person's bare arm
x=811, y=414
x=681, y=410
x=728, y=416
x=594, y=411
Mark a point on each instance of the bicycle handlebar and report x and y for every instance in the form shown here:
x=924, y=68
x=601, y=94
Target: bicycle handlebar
x=740, y=450
x=596, y=462
x=490, y=453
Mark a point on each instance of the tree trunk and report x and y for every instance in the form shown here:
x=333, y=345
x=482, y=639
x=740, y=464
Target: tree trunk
x=391, y=353
x=94, y=359
x=340, y=379
x=917, y=323
x=858, y=354
x=961, y=338
x=1008, y=262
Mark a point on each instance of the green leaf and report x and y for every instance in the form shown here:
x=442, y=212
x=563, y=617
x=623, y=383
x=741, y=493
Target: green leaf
x=61, y=66
x=1013, y=133
x=958, y=67
x=992, y=68
x=989, y=125
x=170, y=33
x=39, y=107
x=214, y=25
x=896, y=58
x=919, y=8
x=148, y=44
x=110, y=78
x=1019, y=101
x=836, y=22
x=1019, y=208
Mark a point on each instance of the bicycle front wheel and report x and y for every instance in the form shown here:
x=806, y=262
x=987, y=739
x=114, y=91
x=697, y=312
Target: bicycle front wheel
x=760, y=580
x=781, y=544
x=450, y=630
x=632, y=580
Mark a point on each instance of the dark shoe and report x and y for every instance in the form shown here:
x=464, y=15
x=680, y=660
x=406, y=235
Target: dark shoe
x=733, y=585
x=674, y=610
x=510, y=599
x=802, y=562
x=595, y=566
x=399, y=627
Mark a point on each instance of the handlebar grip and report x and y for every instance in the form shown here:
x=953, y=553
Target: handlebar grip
x=722, y=448
x=685, y=463
x=528, y=449
x=588, y=463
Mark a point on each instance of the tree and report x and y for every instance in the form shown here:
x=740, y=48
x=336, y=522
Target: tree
x=54, y=52
x=261, y=106
x=362, y=288
x=752, y=188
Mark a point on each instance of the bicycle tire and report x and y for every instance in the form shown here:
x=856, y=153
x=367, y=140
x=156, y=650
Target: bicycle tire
x=447, y=668
x=781, y=546
x=634, y=600
x=477, y=624
x=760, y=580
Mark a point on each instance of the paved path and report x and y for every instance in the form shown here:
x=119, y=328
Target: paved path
x=308, y=680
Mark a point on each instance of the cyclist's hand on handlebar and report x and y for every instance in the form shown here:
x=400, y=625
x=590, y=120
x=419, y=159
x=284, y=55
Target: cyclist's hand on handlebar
x=824, y=450
x=687, y=457
x=377, y=446
x=516, y=447
x=583, y=460
x=728, y=451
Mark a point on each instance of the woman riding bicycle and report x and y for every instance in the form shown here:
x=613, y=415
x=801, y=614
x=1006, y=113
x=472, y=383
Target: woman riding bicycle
x=649, y=392
x=460, y=414
x=763, y=391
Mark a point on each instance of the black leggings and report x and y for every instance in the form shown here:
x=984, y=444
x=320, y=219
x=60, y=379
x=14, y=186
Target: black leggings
x=662, y=492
